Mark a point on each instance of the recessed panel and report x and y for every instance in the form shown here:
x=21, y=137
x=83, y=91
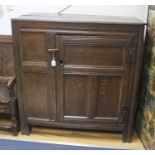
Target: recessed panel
x=34, y=47
x=92, y=55
x=109, y=96
x=36, y=95
x=75, y=89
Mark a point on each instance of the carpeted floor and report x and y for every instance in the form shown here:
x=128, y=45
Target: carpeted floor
x=17, y=144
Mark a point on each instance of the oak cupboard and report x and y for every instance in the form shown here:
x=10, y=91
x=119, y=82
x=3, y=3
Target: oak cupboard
x=78, y=72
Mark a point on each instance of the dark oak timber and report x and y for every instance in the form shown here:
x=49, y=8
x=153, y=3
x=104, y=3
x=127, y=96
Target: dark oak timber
x=8, y=97
x=93, y=84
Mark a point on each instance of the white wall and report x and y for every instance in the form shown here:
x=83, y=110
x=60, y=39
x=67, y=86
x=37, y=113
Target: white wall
x=139, y=11
x=5, y=22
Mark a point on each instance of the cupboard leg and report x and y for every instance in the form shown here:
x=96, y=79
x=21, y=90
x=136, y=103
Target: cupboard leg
x=126, y=139
x=25, y=130
x=127, y=136
x=15, y=131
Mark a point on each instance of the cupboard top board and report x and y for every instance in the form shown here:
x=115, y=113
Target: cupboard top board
x=68, y=18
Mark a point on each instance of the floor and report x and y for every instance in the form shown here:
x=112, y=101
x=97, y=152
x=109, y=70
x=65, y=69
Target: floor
x=78, y=137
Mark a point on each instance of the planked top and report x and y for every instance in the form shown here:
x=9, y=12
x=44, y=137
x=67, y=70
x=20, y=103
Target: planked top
x=68, y=18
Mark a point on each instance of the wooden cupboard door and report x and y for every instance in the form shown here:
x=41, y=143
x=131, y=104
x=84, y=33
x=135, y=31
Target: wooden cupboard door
x=37, y=76
x=93, y=78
